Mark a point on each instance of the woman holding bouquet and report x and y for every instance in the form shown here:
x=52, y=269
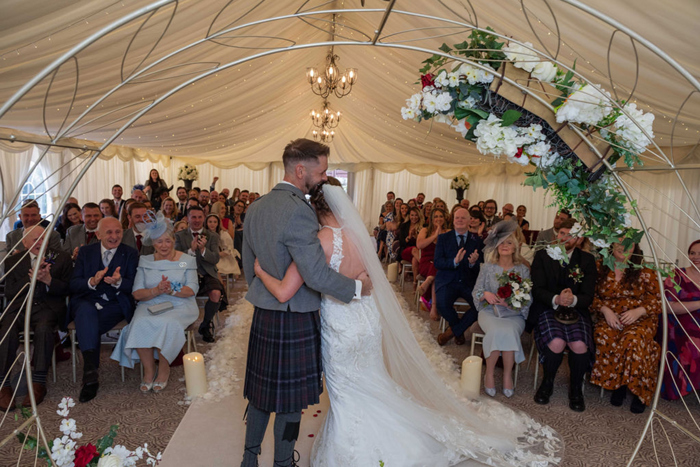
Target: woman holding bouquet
x=502, y=298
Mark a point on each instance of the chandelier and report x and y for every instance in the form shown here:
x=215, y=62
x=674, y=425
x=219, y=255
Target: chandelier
x=325, y=120
x=331, y=80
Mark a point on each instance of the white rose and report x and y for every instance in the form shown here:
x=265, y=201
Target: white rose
x=109, y=461
x=544, y=71
x=576, y=230
x=520, y=56
x=628, y=130
x=557, y=253
x=588, y=105
x=628, y=220
x=444, y=101
x=516, y=287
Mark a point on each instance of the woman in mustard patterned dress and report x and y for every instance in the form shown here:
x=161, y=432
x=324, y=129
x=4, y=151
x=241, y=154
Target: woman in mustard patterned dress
x=627, y=303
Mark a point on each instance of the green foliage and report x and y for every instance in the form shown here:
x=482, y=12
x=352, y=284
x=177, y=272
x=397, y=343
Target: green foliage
x=509, y=117
x=564, y=85
x=107, y=440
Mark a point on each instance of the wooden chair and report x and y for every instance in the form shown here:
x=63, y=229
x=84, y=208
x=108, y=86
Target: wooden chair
x=478, y=339
x=406, y=267
x=74, y=345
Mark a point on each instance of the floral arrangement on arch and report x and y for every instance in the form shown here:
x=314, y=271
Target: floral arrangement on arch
x=459, y=183
x=65, y=451
x=188, y=172
x=460, y=95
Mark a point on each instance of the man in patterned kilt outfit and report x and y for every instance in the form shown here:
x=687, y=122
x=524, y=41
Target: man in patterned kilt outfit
x=565, y=291
x=283, y=371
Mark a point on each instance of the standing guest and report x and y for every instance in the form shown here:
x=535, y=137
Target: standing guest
x=425, y=244
x=70, y=216
x=204, y=201
x=420, y=197
x=682, y=374
x=507, y=210
x=569, y=290
x=390, y=196
x=84, y=234
x=212, y=187
x=167, y=276
x=199, y=242
x=29, y=215
x=181, y=198
x=627, y=302
x=227, y=256
x=385, y=221
x=235, y=195
x=521, y=212
x=117, y=192
x=107, y=208
x=48, y=310
x=549, y=235
x=101, y=296
x=395, y=226
x=154, y=187
x=427, y=210
x=457, y=259
x=169, y=209
x=502, y=325
x=133, y=236
x=238, y=220
x=408, y=233
x=213, y=197
x=489, y=210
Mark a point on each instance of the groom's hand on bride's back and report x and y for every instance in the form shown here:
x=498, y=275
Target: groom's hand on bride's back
x=366, y=283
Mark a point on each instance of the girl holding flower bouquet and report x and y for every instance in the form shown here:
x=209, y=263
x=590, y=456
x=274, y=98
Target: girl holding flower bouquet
x=502, y=298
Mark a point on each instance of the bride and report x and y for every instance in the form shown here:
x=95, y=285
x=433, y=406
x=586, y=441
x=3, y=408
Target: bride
x=387, y=404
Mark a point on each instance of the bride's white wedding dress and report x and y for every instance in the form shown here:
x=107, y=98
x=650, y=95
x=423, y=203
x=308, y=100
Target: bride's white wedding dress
x=373, y=419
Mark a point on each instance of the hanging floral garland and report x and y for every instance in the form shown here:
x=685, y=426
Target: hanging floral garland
x=467, y=98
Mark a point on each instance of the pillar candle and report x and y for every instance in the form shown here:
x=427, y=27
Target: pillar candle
x=392, y=272
x=471, y=376
x=195, y=374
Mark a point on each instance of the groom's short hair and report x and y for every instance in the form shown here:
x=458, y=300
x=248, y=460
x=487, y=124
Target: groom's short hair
x=303, y=150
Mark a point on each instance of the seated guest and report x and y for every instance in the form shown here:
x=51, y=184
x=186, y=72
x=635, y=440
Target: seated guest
x=181, y=225
x=480, y=204
x=124, y=216
x=420, y=198
x=107, y=208
x=235, y=195
x=101, y=295
x=627, y=302
x=489, y=210
x=138, y=194
x=132, y=236
x=169, y=209
x=551, y=234
x=682, y=374
x=166, y=277
x=527, y=254
x=565, y=291
x=48, y=310
x=85, y=233
x=502, y=325
x=465, y=203
x=204, y=200
x=408, y=233
x=219, y=209
x=425, y=252
x=507, y=209
x=29, y=215
x=457, y=259
x=199, y=242
x=411, y=203
x=520, y=217
x=70, y=216
x=440, y=204
x=190, y=203
x=427, y=209
x=227, y=255
x=181, y=199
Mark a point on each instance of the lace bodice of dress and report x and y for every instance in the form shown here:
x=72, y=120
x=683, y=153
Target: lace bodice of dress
x=337, y=256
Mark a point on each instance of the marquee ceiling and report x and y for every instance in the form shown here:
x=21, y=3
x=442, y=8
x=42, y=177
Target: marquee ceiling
x=245, y=113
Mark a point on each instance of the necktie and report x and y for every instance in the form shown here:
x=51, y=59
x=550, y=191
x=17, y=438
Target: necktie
x=461, y=241
x=138, y=242
x=33, y=262
x=195, y=235
x=90, y=236
x=106, y=258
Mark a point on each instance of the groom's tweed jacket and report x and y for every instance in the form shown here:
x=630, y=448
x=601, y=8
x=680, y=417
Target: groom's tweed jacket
x=279, y=228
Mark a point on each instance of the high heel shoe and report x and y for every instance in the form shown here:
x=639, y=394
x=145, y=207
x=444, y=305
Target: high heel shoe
x=490, y=391
x=146, y=387
x=159, y=386
x=507, y=392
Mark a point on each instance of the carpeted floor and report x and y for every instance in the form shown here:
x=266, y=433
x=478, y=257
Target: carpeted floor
x=601, y=436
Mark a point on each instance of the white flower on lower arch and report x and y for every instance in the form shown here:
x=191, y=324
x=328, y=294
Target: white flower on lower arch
x=521, y=57
x=576, y=230
x=408, y=113
x=557, y=253
x=442, y=80
x=443, y=102
x=547, y=160
x=544, y=71
x=539, y=149
x=588, y=105
x=627, y=223
x=628, y=130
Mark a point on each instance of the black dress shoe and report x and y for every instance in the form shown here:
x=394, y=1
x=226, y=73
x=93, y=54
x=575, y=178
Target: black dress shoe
x=88, y=392
x=637, y=405
x=576, y=402
x=618, y=396
x=207, y=331
x=544, y=392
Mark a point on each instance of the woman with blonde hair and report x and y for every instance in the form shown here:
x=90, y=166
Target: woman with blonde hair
x=169, y=209
x=502, y=323
x=426, y=241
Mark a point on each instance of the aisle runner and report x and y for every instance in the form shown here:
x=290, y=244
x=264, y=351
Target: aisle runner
x=212, y=431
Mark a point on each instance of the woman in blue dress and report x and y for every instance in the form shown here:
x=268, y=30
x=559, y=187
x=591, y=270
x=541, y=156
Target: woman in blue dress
x=168, y=279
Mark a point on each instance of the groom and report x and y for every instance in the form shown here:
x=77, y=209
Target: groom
x=283, y=371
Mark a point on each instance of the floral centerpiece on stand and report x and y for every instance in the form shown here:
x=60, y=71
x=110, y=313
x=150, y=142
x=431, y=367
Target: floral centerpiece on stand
x=476, y=101
x=65, y=451
x=459, y=184
x=188, y=174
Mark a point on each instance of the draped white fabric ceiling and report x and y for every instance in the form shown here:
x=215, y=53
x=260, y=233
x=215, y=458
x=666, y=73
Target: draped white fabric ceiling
x=246, y=113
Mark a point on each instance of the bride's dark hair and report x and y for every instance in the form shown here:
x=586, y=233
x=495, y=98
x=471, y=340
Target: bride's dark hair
x=319, y=201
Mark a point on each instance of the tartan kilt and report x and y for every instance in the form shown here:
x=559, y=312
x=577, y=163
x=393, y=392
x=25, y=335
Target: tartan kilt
x=284, y=368
x=549, y=329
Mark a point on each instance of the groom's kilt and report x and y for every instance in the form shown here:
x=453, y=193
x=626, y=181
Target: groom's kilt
x=283, y=372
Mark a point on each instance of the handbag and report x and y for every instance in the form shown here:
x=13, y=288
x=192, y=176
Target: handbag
x=160, y=308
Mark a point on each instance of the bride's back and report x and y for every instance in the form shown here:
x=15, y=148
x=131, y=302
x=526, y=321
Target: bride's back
x=351, y=266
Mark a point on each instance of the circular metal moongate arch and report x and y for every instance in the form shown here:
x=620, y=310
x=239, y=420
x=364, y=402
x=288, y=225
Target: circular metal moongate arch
x=193, y=72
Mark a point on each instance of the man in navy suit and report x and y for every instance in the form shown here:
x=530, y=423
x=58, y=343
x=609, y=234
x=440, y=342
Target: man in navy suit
x=101, y=295
x=457, y=258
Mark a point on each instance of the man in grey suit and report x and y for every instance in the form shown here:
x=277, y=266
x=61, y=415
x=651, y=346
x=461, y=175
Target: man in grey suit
x=203, y=244
x=132, y=236
x=283, y=371
x=83, y=234
x=547, y=236
x=29, y=215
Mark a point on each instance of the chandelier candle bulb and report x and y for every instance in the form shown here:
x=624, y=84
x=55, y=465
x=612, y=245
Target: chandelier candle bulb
x=471, y=376
x=195, y=374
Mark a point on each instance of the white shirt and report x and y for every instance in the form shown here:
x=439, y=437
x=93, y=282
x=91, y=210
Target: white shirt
x=199, y=234
x=573, y=304
x=102, y=255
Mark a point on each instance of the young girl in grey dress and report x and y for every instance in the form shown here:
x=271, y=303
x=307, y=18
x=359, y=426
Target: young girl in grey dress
x=502, y=325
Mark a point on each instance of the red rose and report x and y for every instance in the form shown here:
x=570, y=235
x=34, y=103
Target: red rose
x=505, y=291
x=84, y=454
x=427, y=80
x=519, y=153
